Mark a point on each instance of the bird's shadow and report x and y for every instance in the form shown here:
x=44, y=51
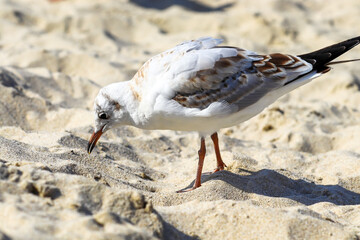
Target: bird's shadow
x=274, y=184
x=187, y=4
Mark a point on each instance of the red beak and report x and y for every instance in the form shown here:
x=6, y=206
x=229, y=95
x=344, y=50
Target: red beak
x=93, y=140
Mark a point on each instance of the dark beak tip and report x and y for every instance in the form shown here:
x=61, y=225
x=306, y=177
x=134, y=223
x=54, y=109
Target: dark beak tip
x=90, y=147
x=89, y=150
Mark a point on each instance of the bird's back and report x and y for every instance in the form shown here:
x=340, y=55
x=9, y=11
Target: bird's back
x=198, y=82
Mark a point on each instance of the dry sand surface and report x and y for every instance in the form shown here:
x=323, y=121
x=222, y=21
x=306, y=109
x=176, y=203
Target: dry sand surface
x=293, y=171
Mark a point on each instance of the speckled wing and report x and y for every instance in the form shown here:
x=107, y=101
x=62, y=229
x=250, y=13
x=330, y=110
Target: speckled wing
x=198, y=73
x=239, y=80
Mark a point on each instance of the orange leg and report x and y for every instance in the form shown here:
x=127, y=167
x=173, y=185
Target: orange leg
x=202, y=153
x=220, y=163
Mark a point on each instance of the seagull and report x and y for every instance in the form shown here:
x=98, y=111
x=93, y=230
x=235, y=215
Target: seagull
x=203, y=87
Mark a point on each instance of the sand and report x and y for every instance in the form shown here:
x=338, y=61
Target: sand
x=293, y=171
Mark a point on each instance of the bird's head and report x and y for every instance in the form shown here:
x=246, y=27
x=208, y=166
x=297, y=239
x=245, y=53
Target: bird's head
x=110, y=111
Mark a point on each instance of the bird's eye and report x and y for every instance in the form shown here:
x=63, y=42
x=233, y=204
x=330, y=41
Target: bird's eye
x=103, y=115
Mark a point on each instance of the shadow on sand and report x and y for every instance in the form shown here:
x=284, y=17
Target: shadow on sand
x=274, y=184
x=187, y=4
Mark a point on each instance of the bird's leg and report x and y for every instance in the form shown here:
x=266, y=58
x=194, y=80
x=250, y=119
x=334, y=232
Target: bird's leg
x=201, y=153
x=220, y=163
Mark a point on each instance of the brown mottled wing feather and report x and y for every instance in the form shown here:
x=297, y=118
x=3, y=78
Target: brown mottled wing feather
x=241, y=80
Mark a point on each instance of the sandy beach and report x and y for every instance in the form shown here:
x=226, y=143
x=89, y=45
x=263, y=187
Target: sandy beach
x=293, y=171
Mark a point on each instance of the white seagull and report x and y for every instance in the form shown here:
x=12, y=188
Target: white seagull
x=200, y=86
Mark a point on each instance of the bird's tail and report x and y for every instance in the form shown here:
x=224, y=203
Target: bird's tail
x=322, y=58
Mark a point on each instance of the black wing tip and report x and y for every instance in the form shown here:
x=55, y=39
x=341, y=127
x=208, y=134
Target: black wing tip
x=320, y=58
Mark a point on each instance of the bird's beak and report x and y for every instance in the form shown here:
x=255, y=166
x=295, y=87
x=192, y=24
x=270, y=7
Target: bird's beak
x=93, y=140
